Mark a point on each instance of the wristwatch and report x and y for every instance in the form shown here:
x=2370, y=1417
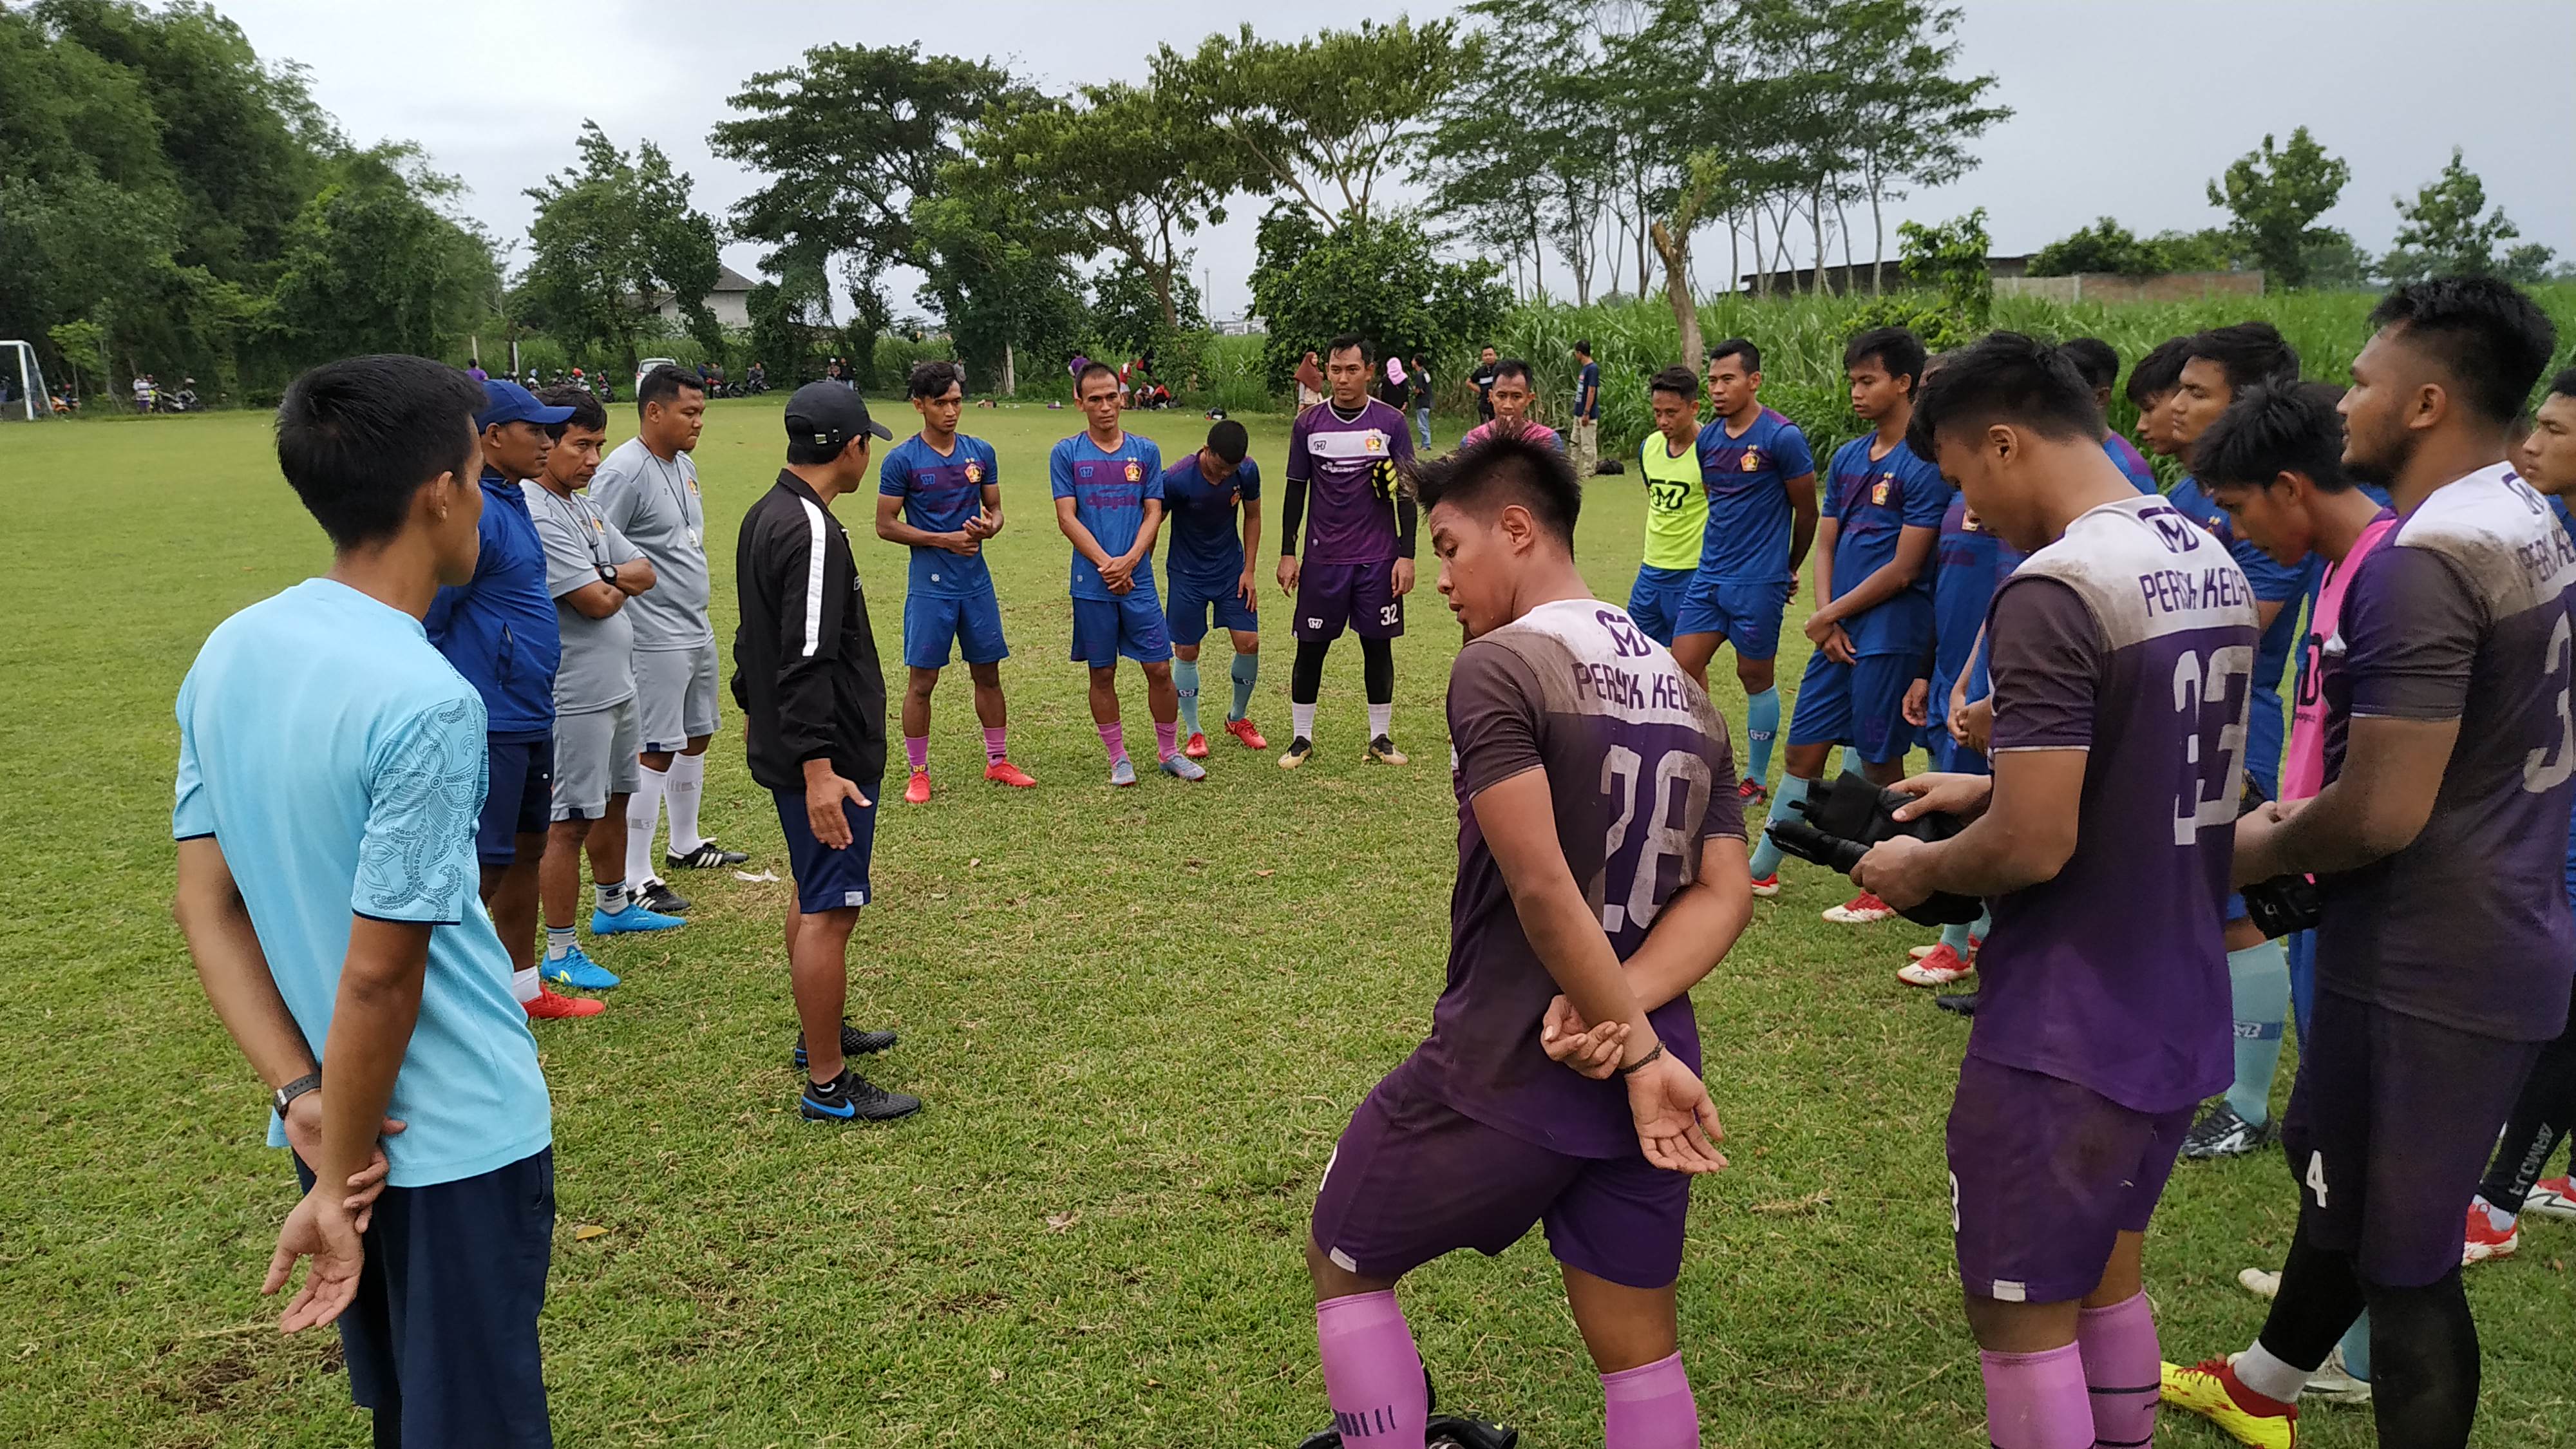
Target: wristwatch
x=608, y=574
x=286, y=1095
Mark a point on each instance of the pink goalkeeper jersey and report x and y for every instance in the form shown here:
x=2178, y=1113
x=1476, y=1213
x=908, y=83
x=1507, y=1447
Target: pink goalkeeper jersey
x=2303, y=773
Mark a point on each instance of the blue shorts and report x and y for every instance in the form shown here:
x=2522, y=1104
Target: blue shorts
x=1357, y=597
x=1748, y=615
x=1192, y=602
x=974, y=622
x=443, y=1333
x=1131, y=624
x=828, y=879
x=518, y=795
x=1655, y=600
x=1951, y=757
x=1861, y=705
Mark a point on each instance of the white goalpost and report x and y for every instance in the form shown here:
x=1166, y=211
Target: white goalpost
x=31, y=379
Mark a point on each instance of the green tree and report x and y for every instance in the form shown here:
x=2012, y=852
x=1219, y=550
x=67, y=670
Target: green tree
x=1380, y=279
x=612, y=238
x=2276, y=196
x=2448, y=231
x=1527, y=145
x=995, y=276
x=1126, y=308
x=1951, y=257
x=2105, y=246
x=1908, y=115
x=374, y=265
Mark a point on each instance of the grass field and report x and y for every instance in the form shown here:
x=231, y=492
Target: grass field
x=1140, y=1019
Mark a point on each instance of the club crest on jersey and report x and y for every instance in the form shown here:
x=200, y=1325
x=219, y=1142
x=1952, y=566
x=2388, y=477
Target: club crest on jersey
x=599, y=525
x=1878, y=490
x=974, y=471
x=1376, y=442
x=1135, y=472
x=1753, y=460
x=1969, y=522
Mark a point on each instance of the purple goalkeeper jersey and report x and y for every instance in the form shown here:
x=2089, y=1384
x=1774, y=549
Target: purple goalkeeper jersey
x=2463, y=613
x=2131, y=638
x=1350, y=498
x=1641, y=773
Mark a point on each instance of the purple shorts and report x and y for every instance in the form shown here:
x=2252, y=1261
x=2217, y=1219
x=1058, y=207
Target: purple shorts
x=2388, y=1132
x=1414, y=1178
x=2044, y=1177
x=1361, y=597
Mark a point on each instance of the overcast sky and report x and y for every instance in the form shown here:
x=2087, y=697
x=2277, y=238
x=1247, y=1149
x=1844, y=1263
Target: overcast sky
x=2125, y=110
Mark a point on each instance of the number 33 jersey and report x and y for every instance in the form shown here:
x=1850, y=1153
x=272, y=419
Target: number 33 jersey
x=2463, y=614
x=1640, y=772
x=2131, y=638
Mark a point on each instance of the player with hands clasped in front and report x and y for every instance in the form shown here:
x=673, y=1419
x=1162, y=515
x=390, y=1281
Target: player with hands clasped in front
x=1600, y=875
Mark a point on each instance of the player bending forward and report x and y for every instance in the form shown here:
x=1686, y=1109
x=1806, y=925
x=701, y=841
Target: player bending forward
x=2121, y=651
x=1600, y=875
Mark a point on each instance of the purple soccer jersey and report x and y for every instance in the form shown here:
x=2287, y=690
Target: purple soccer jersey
x=2132, y=638
x=2463, y=614
x=1642, y=772
x=1350, y=504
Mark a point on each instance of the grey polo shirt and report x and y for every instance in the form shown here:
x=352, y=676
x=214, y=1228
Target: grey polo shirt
x=656, y=506
x=598, y=668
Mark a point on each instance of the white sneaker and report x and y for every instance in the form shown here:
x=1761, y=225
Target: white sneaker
x=2260, y=1283
x=1861, y=910
x=2333, y=1383
x=2553, y=1197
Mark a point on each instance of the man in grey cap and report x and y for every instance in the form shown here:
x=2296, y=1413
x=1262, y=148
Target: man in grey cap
x=813, y=700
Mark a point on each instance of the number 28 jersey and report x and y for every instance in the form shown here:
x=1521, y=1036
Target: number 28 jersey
x=1641, y=772
x=2131, y=638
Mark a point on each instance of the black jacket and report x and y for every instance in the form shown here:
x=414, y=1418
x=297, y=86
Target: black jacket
x=804, y=659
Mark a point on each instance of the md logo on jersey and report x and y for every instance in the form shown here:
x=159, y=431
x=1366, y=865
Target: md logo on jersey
x=2175, y=533
x=1625, y=639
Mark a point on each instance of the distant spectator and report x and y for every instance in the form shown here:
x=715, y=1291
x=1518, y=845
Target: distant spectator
x=1587, y=411
x=477, y=373
x=1422, y=400
x=1483, y=378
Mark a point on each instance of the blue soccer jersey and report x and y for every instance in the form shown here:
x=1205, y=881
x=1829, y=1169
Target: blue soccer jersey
x=2282, y=584
x=1108, y=488
x=940, y=494
x=2133, y=464
x=1873, y=501
x=1963, y=587
x=1746, y=478
x=1207, y=545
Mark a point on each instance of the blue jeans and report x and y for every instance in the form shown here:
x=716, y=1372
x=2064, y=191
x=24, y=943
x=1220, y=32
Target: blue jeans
x=1422, y=423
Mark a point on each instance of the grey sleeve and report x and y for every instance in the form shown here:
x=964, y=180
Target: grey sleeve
x=569, y=562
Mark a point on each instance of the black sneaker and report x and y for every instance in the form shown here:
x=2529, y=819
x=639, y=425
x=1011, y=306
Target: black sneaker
x=657, y=896
x=1963, y=1003
x=708, y=856
x=2223, y=1132
x=854, y=1042
x=850, y=1097
x=1441, y=1431
x=1298, y=749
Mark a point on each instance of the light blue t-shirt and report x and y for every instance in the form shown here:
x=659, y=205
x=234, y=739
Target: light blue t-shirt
x=338, y=760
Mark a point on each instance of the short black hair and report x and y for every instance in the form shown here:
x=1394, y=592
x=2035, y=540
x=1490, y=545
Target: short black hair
x=2005, y=377
x=1348, y=341
x=2272, y=429
x=2564, y=384
x=804, y=452
x=1228, y=440
x=1583, y=347
x=359, y=437
x=1505, y=466
x=1676, y=380
x=1514, y=367
x=1737, y=347
x=2094, y=358
x=586, y=411
x=2250, y=353
x=664, y=384
x=2485, y=332
x=2159, y=372
x=1091, y=369
x=933, y=379
x=1895, y=349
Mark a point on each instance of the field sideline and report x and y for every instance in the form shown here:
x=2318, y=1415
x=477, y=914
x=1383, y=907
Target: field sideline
x=1139, y=1019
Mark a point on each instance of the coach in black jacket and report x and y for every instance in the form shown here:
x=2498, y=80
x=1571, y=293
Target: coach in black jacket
x=806, y=676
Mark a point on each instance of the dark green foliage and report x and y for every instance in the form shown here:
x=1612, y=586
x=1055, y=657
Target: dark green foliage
x=1380, y=279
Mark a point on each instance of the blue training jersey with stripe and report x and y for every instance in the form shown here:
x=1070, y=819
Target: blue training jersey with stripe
x=1746, y=479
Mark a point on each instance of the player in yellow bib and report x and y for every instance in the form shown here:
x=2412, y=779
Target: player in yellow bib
x=1676, y=507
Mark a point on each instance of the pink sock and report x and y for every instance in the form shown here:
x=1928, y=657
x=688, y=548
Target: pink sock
x=1649, y=1408
x=994, y=750
x=916, y=748
x=2123, y=1369
x=1167, y=739
x=1113, y=738
x=1372, y=1372
x=2037, y=1400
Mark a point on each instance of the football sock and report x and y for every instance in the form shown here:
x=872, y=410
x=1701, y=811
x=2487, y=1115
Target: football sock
x=558, y=942
x=643, y=813
x=2258, y=977
x=524, y=986
x=2320, y=1296
x=2542, y=1117
x=1649, y=1408
x=1247, y=672
x=610, y=895
x=2356, y=1347
x=1761, y=727
x=1377, y=670
x=688, y=781
x=1166, y=739
x=1955, y=936
x=2121, y=1371
x=1372, y=1371
x=1306, y=672
x=1113, y=738
x=1301, y=721
x=2424, y=1352
x=1381, y=719
x=916, y=752
x=1766, y=856
x=2037, y=1400
x=996, y=744
x=1185, y=679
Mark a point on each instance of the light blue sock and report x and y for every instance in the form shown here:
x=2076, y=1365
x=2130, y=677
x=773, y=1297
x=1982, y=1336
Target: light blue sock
x=1766, y=856
x=1761, y=727
x=2258, y=977
x=1185, y=678
x=1247, y=672
x=2356, y=1347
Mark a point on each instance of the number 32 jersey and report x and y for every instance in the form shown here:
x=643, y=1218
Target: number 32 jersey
x=2131, y=638
x=1640, y=771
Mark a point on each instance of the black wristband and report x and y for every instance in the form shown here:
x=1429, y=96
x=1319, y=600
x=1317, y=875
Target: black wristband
x=285, y=1096
x=1639, y=1064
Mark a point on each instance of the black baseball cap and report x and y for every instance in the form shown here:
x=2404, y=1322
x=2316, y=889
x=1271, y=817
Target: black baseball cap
x=829, y=415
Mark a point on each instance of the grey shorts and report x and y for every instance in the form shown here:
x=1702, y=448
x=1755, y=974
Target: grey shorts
x=675, y=696
x=595, y=759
